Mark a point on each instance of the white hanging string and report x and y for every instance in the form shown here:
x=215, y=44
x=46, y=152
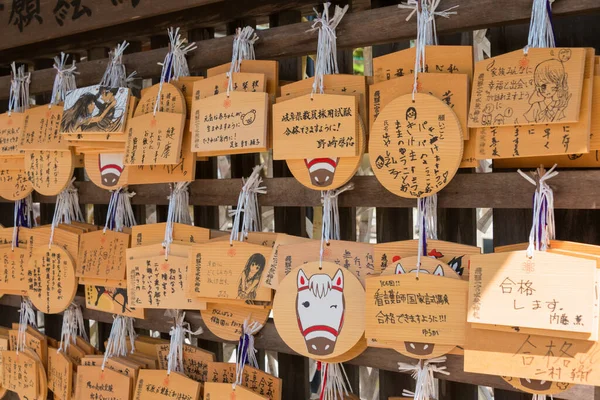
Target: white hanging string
x=67, y=209
x=541, y=32
x=119, y=214
x=541, y=397
x=23, y=216
x=68, y=332
x=80, y=330
x=481, y=45
x=122, y=327
x=423, y=372
x=246, y=352
x=26, y=317
x=408, y=393
x=175, y=64
x=326, y=63
x=542, y=226
x=18, y=100
x=115, y=75
x=179, y=212
x=431, y=216
x=243, y=49
x=426, y=30
x=335, y=384
x=178, y=333
x=248, y=207
x=64, y=81
x=331, y=217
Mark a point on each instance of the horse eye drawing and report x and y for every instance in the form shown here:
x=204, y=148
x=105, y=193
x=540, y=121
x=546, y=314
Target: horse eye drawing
x=321, y=170
x=320, y=307
x=111, y=168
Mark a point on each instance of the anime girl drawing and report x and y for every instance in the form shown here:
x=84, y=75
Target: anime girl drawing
x=94, y=109
x=250, y=279
x=551, y=94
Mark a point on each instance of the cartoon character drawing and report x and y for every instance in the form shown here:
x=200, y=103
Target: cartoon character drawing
x=250, y=279
x=537, y=386
x=551, y=94
x=486, y=115
x=411, y=114
x=94, y=109
x=456, y=265
x=320, y=307
x=113, y=293
x=321, y=170
x=111, y=168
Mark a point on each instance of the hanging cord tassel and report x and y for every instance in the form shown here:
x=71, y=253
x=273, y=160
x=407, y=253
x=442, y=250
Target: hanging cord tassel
x=431, y=216
x=23, y=216
x=248, y=207
x=80, y=330
x=26, y=318
x=115, y=75
x=334, y=382
x=179, y=212
x=119, y=214
x=67, y=209
x=122, y=327
x=18, y=100
x=422, y=229
x=331, y=217
x=423, y=372
x=178, y=334
x=326, y=63
x=541, y=31
x=64, y=81
x=243, y=49
x=175, y=64
x=246, y=353
x=542, y=226
x=541, y=397
x=69, y=329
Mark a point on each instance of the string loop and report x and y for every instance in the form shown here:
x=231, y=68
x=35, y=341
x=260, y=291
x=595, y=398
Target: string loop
x=248, y=207
x=18, y=100
x=423, y=372
x=64, y=81
x=335, y=384
x=67, y=209
x=541, y=30
x=119, y=214
x=23, y=216
x=122, y=328
x=179, y=212
x=246, y=353
x=243, y=49
x=331, y=217
x=115, y=75
x=179, y=331
x=27, y=316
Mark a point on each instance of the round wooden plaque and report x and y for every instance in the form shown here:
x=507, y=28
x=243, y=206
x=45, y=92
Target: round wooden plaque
x=54, y=284
x=172, y=100
x=320, y=313
x=328, y=173
x=106, y=170
x=351, y=354
x=14, y=184
x=226, y=321
x=49, y=171
x=535, y=386
x=42, y=378
x=415, y=147
x=428, y=266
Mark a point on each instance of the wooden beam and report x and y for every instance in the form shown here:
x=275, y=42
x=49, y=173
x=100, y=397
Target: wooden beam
x=381, y=25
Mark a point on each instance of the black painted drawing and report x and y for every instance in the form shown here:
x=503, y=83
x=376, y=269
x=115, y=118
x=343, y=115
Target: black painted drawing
x=250, y=279
x=551, y=94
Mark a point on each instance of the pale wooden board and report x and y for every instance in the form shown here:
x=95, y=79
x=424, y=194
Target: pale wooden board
x=510, y=289
x=226, y=321
x=6, y=236
x=270, y=277
x=102, y=255
x=439, y=59
x=223, y=125
x=506, y=89
x=585, y=160
x=156, y=384
x=171, y=100
x=12, y=163
x=186, y=85
x=13, y=266
x=252, y=378
x=356, y=257
x=220, y=391
x=195, y=360
x=267, y=67
x=41, y=130
x=143, y=235
x=242, y=82
x=422, y=161
x=49, y=172
x=120, y=384
x=111, y=300
x=53, y=284
x=11, y=128
x=14, y=184
x=40, y=237
x=220, y=270
x=319, y=310
x=33, y=340
x=19, y=374
x=323, y=125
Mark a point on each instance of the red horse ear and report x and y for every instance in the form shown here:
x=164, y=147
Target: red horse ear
x=302, y=279
x=396, y=259
x=338, y=279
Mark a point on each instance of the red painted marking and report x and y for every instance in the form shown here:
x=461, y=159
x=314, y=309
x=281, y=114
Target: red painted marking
x=231, y=252
x=165, y=267
x=524, y=62
x=396, y=258
x=153, y=123
x=227, y=103
x=302, y=282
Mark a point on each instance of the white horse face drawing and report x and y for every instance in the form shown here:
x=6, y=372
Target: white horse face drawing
x=320, y=310
x=439, y=271
x=111, y=168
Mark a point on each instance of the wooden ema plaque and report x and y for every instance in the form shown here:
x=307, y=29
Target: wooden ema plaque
x=252, y=378
x=144, y=235
x=536, y=386
x=542, y=140
x=60, y=374
x=41, y=130
x=220, y=270
x=14, y=184
x=319, y=310
x=49, y=172
x=242, y=82
x=543, y=86
x=94, y=383
x=218, y=391
x=107, y=170
x=323, y=125
x=6, y=236
x=95, y=109
x=354, y=256
x=11, y=129
x=51, y=279
x=157, y=384
x=102, y=255
x=19, y=374
x=539, y=292
x=40, y=237
x=415, y=146
x=12, y=163
x=270, y=69
x=186, y=85
x=226, y=321
x=234, y=124
x=34, y=340
x=440, y=59
x=428, y=309
x=13, y=265
x=195, y=360
x=270, y=277
x=259, y=238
